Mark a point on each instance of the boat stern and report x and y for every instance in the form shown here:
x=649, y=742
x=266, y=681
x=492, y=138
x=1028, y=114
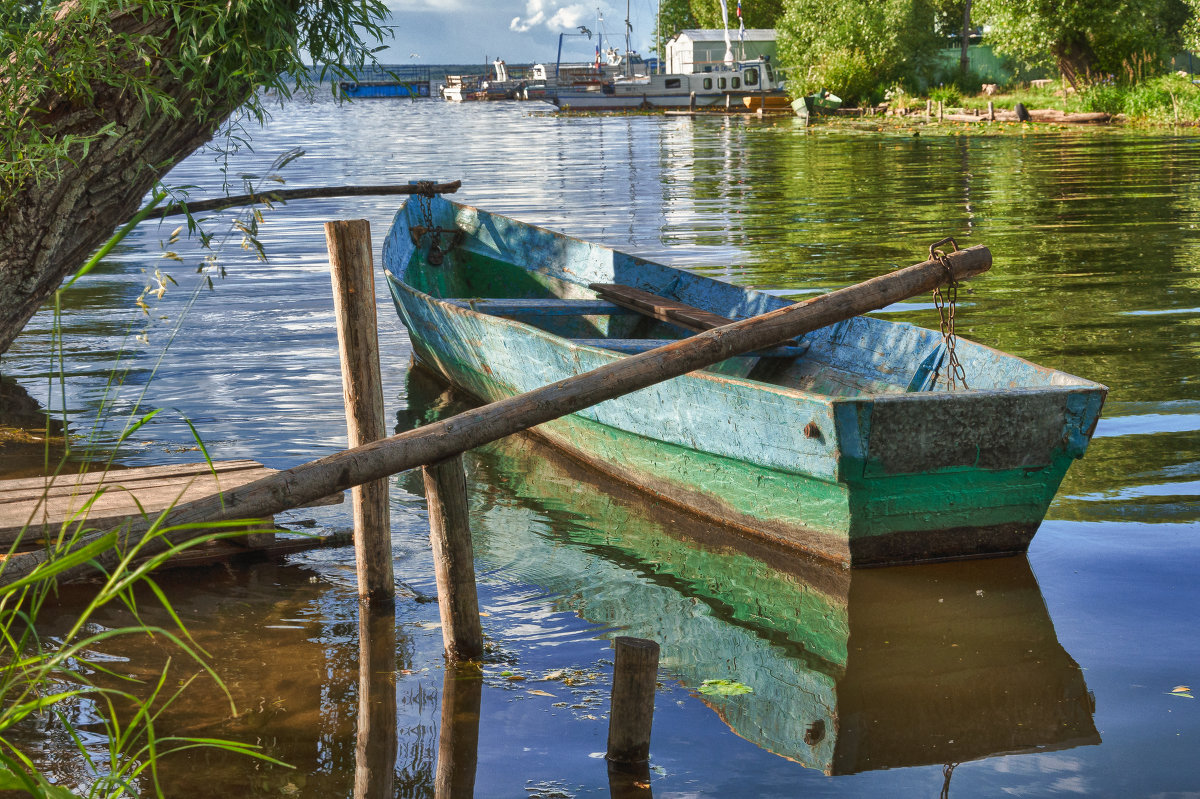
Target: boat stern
x=942, y=475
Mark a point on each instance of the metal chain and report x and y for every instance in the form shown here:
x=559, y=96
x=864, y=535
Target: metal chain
x=425, y=194
x=945, y=304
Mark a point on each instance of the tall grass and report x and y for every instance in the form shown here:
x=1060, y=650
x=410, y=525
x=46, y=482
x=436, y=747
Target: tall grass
x=1166, y=99
x=42, y=678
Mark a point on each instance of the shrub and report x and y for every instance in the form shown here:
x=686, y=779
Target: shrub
x=946, y=95
x=1106, y=97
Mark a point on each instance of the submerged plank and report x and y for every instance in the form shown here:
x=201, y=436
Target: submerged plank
x=143, y=477
x=40, y=506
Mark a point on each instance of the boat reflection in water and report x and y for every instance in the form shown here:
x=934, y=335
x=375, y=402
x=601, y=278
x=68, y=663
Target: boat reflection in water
x=851, y=670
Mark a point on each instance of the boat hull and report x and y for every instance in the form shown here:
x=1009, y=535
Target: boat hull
x=373, y=89
x=575, y=100
x=858, y=479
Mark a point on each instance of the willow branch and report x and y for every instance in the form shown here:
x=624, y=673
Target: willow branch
x=283, y=195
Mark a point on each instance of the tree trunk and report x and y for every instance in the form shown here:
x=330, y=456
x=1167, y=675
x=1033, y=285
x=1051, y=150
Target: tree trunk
x=48, y=229
x=964, y=58
x=1074, y=58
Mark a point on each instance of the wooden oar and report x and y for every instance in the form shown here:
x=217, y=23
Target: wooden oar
x=444, y=439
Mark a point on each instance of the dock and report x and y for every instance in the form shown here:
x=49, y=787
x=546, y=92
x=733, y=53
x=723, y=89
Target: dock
x=34, y=510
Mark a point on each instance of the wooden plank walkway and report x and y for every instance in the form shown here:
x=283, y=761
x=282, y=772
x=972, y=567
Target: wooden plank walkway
x=34, y=508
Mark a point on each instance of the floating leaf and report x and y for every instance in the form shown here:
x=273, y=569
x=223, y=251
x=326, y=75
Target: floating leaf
x=536, y=692
x=1181, y=690
x=724, y=688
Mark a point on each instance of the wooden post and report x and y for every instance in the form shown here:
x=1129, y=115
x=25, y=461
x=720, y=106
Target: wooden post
x=358, y=338
x=991, y=111
x=629, y=781
x=692, y=101
x=458, y=735
x=376, y=742
x=453, y=558
x=928, y=109
x=631, y=713
x=939, y=110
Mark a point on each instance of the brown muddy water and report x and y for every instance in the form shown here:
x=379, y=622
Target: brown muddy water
x=1044, y=675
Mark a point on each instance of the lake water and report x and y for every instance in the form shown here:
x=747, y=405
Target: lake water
x=1038, y=676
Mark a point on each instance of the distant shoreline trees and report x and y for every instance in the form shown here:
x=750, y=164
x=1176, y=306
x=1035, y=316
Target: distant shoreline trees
x=858, y=49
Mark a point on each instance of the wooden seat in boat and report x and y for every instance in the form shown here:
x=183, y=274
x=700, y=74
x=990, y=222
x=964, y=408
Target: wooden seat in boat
x=632, y=346
x=551, y=306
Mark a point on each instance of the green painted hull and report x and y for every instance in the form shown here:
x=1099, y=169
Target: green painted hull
x=899, y=470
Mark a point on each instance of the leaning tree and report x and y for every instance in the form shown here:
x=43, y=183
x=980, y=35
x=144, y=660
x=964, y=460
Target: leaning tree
x=1085, y=40
x=100, y=98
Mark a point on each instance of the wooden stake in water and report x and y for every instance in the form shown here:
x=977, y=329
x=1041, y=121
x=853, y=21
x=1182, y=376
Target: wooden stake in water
x=453, y=558
x=358, y=338
x=377, y=741
x=635, y=672
x=458, y=737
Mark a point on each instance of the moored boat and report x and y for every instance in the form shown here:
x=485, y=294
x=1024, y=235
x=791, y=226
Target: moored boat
x=850, y=444
x=820, y=103
x=723, y=86
x=768, y=102
x=461, y=88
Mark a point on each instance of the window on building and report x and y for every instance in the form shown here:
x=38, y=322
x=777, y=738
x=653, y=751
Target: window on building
x=708, y=83
x=673, y=83
x=751, y=77
x=720, y=83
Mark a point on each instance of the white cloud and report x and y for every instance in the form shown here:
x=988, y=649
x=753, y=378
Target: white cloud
x=555, y=17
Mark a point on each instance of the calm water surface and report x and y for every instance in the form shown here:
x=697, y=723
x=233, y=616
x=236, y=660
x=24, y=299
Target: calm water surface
x=1038, y=676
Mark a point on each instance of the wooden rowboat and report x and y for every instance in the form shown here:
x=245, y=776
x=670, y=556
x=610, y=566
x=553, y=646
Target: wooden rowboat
x=848, y=444
x=768, y=102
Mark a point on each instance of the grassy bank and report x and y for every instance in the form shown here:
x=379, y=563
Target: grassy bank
x=1171, y=99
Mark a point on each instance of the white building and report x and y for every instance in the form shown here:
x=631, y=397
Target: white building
x=698, y=50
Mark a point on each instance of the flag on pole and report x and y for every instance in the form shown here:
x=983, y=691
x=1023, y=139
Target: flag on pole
x=741, y=23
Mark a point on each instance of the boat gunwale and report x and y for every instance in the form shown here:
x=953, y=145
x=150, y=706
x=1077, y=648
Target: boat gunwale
x=447, y=306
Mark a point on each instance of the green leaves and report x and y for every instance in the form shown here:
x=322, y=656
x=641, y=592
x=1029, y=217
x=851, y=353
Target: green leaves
x=724, y=688
x=852, y=48
x=202, y=58
x=1084, y=38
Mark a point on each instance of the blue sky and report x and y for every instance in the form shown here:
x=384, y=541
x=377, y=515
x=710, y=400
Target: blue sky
x=519, y=31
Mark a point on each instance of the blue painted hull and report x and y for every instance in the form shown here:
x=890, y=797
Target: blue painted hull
x=372, y=89
x=847, y=452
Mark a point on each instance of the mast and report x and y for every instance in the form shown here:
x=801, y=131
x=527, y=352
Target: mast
x=628, y=46
x=725, y=26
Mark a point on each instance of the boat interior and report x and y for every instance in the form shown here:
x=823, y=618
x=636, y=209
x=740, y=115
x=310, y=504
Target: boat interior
x=605, y=299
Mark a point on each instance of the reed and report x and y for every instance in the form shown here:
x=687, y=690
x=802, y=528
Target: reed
x=46, y=679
